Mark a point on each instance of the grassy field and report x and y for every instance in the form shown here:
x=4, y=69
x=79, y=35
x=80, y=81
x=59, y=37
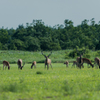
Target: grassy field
x=28, y=57
x=61, y=83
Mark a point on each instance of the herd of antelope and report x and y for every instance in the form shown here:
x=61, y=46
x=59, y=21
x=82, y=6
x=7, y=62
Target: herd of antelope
x=79, y=62
x=20, y=62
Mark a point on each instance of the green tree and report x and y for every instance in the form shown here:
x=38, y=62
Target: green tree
x=32, y=43
x=4, y=37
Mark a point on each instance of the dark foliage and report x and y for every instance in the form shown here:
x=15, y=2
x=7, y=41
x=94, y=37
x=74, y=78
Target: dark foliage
x=36, y=36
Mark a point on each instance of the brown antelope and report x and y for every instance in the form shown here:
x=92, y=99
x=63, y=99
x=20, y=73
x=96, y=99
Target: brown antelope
x=79, y=59
x=19, y=62
x=6, y=63
x=47, y=60
x=33, y=64
x=67, y=63
x=97, y=61
x=79, y=63
x=85, y=60
x=74, y=63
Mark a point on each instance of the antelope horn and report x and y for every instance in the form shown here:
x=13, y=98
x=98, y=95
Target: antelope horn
x=50, y=54
x=43, y=54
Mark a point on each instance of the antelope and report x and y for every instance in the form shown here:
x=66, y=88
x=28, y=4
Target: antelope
x=6, y=63
x=19, y=62
x=79, y=59
x=86, y=60
x=79, y=63
x=33, y=64
x=75, y=63
x=97, y=61
x=67, y=63
x=47, y=60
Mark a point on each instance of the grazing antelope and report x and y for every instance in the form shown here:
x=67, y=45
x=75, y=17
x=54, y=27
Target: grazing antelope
x=97, y=61
x=19, y=62
x=47, y=60
x=85, y=60
x=33, y=64
x=67, y=63
x=74, y=63
x=6, y=63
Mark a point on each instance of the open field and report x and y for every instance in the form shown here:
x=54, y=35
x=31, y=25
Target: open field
x=61, y=83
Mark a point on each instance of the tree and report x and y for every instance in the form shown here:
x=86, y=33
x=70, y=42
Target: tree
x=68, y=23
x=32, y=43
x=17, y=44
x=4, y=37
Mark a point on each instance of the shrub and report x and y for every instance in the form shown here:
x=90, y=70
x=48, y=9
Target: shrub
x=87, y=56
x=38, y=72
x=98, y=53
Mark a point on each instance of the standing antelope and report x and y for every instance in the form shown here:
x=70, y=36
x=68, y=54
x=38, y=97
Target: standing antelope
x=78, y=62
x=33, y=64
x=97, y=61
x=79, y=59
x=74, y=63
x=47, y=60
x=19, y=62
x=67, y=63
x=6, y=63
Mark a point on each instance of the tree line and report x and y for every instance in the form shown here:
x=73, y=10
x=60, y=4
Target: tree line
x=37, y=36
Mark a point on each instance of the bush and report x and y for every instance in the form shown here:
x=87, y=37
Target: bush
x=87, y=56
x=98, y=53
x=38, y=72
x=74, y=53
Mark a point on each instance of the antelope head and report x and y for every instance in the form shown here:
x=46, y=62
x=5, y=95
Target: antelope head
x=23, y=65
x=45, y=55
x=8, y=67
x=81, y=54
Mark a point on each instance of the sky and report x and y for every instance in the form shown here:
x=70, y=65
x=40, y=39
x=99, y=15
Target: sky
x=52, y=12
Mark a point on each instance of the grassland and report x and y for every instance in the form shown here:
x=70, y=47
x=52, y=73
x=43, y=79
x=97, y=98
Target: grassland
x=28, y=57
x=61, y=83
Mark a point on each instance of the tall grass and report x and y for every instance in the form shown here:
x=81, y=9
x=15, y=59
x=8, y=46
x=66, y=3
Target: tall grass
x=28, y=57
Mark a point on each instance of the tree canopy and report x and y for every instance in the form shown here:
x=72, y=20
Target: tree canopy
x=37, y=36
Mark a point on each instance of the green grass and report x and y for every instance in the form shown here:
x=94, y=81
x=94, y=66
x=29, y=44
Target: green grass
x=61, y=83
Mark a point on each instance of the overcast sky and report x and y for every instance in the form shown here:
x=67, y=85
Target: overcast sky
x=52, y=12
